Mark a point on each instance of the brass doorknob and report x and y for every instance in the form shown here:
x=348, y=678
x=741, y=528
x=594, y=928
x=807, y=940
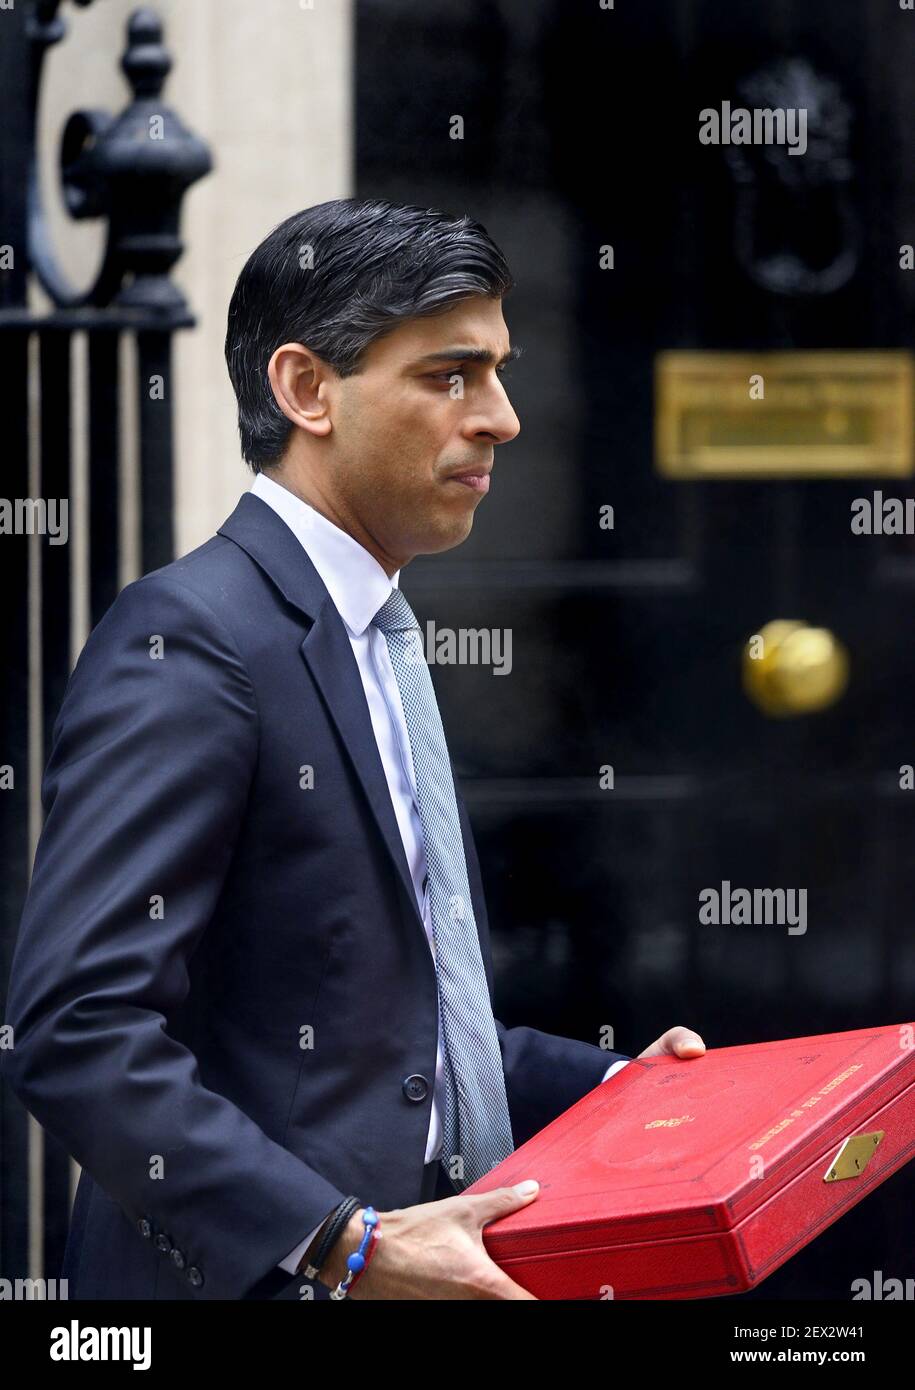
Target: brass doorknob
x=790, y=668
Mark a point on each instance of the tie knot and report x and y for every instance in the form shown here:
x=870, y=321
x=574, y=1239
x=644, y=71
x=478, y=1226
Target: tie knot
x=395, y=614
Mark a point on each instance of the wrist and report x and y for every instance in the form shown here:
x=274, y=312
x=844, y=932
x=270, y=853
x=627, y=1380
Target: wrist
x=334, y=1268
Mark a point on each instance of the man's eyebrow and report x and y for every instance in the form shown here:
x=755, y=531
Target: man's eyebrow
x=465, y=354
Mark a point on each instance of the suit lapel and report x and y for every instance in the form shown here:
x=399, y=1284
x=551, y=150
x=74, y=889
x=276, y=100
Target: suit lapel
x=328, y=654
x=330, y=659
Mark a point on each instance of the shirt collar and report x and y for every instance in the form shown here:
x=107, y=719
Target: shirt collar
x=356, y=582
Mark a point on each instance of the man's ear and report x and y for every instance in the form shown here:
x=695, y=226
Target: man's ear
x=296, y=376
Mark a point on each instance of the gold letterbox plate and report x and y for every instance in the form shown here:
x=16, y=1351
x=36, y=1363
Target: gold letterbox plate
x=784, y=414
x=854, y=1156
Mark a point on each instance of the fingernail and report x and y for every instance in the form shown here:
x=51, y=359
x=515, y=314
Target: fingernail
x=524, y=1189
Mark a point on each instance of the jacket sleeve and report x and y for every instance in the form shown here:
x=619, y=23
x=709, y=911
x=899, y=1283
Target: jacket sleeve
x=545, y=1074
x=152, y=757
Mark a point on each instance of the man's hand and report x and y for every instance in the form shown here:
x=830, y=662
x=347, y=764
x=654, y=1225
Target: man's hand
x=433, y=1250
x=677, y=1042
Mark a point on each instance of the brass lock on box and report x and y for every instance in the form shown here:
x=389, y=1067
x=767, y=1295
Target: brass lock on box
x=854, y=1156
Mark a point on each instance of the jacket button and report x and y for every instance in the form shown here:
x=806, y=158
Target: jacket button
x=415, y=1087
x=194, y=1276
x=144, y=1228
x=177, y=1258
x=163, y=1242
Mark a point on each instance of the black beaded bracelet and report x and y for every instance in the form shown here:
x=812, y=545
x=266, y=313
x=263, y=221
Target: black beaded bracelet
x=337, y=1225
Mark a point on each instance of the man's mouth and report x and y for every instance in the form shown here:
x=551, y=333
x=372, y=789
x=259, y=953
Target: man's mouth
x=475, y=478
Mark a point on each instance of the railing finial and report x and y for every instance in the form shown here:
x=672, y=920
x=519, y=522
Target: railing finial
x=146, y=63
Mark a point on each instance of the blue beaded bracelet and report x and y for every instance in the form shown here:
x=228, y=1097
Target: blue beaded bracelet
x=355, y=1262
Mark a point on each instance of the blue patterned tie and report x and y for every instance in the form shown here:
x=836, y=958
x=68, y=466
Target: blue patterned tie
x=476, y=1125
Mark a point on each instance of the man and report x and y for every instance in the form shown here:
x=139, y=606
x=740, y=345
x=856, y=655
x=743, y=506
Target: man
x=253, y=975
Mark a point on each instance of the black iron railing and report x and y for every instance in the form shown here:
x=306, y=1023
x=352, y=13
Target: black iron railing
x=131, y=171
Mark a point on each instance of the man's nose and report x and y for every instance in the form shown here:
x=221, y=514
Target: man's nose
x=499, y=424
x=512, y=425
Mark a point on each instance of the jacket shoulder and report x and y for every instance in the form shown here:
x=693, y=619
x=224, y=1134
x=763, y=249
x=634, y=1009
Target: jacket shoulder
x=217, y=580
x=210, y=571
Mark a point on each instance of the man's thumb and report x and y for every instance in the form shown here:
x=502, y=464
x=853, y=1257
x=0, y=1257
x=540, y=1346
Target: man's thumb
x=502, y=1200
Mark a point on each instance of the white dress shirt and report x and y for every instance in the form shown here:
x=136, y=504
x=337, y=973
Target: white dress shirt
x=358, y=586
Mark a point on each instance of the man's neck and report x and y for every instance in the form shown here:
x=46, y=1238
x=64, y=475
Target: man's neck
x=293, y=482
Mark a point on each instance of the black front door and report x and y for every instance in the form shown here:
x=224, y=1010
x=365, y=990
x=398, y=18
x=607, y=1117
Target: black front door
x=658, y=749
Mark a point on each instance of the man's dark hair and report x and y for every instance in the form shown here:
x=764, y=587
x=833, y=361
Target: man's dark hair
x=335, y=278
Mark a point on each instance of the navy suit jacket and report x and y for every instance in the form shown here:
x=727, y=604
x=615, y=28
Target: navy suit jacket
x=223, y=998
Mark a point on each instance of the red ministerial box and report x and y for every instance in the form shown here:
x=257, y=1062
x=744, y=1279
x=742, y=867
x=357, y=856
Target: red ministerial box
x=689, y=1178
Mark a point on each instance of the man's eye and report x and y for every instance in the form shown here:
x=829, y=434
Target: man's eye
x=456, y=372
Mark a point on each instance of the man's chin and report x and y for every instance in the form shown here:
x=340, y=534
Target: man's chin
x=449, y=536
